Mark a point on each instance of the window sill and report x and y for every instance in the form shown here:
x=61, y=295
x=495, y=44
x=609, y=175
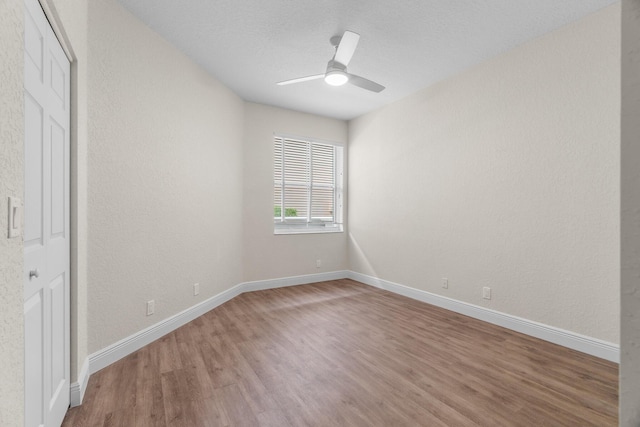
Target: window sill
x=306, y=229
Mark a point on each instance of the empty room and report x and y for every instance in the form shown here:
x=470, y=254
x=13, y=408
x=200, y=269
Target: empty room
x=329, y=213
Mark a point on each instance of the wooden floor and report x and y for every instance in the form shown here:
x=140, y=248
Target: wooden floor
x=341, y=353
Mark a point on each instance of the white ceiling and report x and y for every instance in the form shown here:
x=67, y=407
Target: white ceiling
x=405, y=45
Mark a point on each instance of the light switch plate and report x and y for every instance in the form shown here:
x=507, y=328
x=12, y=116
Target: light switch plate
x=15, y=217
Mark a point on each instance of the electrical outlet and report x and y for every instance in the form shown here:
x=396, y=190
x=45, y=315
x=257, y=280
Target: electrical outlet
x=196, y=288
x=318, y=263
x=486, y=292
x=445, y=283
x=151, y=307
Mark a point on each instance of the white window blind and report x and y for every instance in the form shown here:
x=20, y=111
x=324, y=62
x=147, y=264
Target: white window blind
x=307, y=186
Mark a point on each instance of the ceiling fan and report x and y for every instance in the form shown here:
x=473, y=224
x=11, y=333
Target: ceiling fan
x=336, y=74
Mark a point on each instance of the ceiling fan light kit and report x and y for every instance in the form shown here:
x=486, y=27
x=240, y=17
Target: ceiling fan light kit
x=336, y=78
x=336, y=74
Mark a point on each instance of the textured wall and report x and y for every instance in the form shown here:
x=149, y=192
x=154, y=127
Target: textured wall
x=504, y=176
x=630, y=230
x=165, y=178
x=267, y=256
x=11, y=184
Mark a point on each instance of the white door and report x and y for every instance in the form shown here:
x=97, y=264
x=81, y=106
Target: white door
x=46, y=222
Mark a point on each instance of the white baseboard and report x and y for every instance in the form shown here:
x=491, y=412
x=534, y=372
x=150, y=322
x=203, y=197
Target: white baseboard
x=79, y=387
x=588, y=345
x=260, y=285
x=126, y=346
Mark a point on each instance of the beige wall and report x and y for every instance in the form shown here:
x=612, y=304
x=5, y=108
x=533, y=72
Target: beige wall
x=267, y=256
x=11, y=184
x=630, y=183
x=505, y=176
x=165, y=178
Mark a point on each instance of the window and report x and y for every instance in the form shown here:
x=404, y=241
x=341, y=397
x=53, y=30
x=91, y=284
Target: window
x=307, y=186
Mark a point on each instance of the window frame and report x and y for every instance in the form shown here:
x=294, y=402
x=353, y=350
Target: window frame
x=309, y=225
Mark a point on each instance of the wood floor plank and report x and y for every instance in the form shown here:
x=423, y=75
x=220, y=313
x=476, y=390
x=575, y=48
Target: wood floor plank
x=343, y=353
x=273, y=418
x=210, y=412
x=149, y=408
x=236, y=407
x=121, y=418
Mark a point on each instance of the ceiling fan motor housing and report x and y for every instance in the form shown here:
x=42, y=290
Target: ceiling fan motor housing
x=334, y=65
x=335, y=40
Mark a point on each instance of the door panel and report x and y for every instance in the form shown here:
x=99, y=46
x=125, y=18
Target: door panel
x=46, y=227
x=34, y=49
x=58, y=351
x=33, y=141
x=58, y=166
x=34, y=356
x=58, y=82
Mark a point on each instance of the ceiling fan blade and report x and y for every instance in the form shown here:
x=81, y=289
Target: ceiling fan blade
x=346, y=48
x=300, y=79
x=365, y=83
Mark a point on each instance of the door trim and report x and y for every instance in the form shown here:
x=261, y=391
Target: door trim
x=79, y=387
